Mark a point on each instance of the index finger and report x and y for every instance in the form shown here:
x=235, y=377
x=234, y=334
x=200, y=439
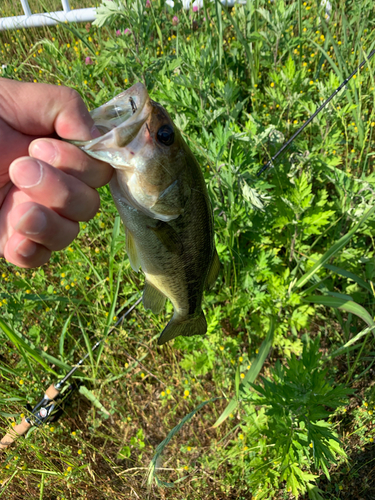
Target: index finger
x=40, y=109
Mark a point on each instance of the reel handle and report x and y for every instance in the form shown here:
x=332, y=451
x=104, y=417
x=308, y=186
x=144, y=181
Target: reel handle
x=14, y=433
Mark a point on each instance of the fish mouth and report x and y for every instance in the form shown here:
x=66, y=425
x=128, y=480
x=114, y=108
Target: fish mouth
x=122, y=109
x=119, y=121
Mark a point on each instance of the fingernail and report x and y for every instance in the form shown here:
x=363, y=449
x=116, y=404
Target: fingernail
x=95, y=132
x=26, y=248
x=26, y=172
x=33, y=221
x=43, y=150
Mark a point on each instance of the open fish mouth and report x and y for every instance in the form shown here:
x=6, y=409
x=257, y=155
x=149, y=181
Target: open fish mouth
x=119, y=121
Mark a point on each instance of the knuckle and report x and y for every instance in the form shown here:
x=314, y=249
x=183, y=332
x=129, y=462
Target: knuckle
x=70, y=95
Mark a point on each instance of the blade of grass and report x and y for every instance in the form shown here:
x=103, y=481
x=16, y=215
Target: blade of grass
x=343, y=304
x=349, y=275
x=252, y=374
x=18, y=340
x=159, y=450
x=333, y=250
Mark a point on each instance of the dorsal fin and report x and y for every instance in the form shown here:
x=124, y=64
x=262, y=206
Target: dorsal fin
x=213, y=272
x=131, y=250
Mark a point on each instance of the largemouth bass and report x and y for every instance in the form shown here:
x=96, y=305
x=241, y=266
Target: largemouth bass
x=160, y=194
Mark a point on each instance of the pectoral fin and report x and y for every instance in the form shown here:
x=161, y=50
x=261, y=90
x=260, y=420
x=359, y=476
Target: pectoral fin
x=152, y=298
x=173, y=199
x=213, y=272
x=168, y=237
x=131, y=250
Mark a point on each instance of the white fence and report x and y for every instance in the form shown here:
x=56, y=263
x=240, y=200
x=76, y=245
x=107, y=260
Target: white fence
x=30, y=20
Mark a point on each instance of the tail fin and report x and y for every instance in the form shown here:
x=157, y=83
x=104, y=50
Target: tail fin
x=195, y=325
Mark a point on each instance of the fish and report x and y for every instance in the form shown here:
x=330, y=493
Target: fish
x=160, y=193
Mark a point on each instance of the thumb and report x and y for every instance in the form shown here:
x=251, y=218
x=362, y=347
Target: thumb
x=39, y=109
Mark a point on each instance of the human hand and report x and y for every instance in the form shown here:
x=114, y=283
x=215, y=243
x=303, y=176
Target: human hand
x=46, y=185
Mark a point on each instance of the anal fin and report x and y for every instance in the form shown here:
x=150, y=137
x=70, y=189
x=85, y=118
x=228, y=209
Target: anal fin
x=152, y=298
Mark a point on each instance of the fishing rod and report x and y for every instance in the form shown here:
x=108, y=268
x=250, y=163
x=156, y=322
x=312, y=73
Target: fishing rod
x=49, y=407
x=307, y=122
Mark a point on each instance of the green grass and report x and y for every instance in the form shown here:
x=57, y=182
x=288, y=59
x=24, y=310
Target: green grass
x=297, y=248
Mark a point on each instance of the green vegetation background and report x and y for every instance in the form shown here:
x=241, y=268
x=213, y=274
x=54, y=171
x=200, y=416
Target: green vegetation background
x=295, y=299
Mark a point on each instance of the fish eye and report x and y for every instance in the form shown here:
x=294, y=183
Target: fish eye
x=165, y=135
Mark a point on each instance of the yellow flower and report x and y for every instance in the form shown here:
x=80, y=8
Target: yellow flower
x=90, y=39
x=79, y=452
x=311, y=445
x=242, y=375
x=163, y=394
x=186, y=392
x=311, y=82
x=68, y=45
x=365, y=404
x=63, y=275
x=97, y=250
x=74, y=433
x=87, y=278
x=142, y=375
x=221, y=348
x=189, y=448
x=67, y=287
x=69, y=469
x=240, y=436
x=371, y=440
x=13, y=424
x=240, y=359
x=186, y=467
x=168, y=391
x=21, y=382
x=126, y=80
x=272, y=84
x=51, y=429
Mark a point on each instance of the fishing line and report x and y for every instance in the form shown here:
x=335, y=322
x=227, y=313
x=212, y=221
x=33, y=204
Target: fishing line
x=49, y=407
x=307, y=122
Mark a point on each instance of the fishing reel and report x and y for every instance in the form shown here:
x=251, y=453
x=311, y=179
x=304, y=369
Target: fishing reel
x=48, y=409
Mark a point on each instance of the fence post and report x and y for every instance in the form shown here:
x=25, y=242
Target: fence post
x=65, y=5
x=26, y=8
